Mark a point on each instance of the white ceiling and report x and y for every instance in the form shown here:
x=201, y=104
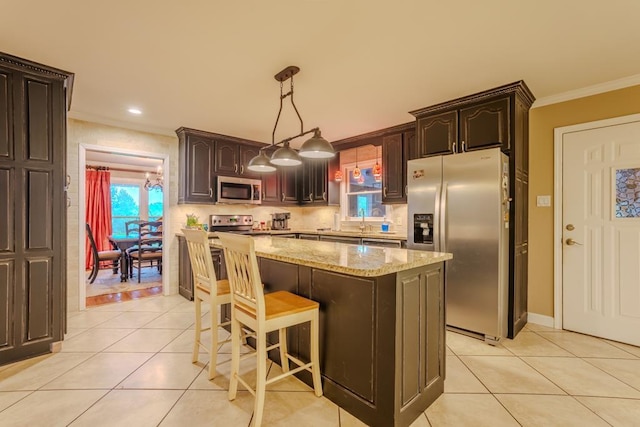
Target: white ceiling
x=209, y=64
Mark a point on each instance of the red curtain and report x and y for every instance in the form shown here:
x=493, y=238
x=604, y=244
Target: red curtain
x=98, y=211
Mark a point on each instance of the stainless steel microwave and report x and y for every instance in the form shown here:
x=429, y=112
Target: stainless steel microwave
x=238, y=190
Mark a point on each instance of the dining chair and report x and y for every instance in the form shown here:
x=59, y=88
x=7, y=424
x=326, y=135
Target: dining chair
x=112, y=256
x=148, y=249
x=206, y=288
x=264, y=313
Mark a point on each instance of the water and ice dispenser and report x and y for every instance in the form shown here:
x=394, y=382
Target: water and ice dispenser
x=423, y=228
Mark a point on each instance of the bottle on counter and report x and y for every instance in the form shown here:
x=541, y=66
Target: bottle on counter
x=385, y=225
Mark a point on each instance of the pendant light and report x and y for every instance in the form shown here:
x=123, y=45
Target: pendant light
x=261, y=163
x=338, y=176
x=356, y=172
x=315, y=147
x=377, y=169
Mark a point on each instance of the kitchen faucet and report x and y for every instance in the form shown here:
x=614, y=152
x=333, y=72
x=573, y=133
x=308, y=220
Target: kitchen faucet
x=362, y=226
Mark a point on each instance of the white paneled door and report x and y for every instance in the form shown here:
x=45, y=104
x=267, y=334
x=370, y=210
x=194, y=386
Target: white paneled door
x=601, y=231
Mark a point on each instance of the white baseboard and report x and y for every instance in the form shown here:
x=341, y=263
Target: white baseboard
x=540, y=319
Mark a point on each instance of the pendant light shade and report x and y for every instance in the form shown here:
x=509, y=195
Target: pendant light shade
x=356, y=172
x=261, y=163
x=285, y=156
x=317, y=147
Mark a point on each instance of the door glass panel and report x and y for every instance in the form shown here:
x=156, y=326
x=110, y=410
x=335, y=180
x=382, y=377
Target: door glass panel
x=628, y=193
x=125, y=206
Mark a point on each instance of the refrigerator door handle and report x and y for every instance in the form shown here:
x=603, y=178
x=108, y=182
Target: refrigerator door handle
x=436, y=221
x=442, y=225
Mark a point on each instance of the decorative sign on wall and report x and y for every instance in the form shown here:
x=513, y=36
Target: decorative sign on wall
x=628, y=193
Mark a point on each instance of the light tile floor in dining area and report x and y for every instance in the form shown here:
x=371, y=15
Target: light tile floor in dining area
x=129, y=364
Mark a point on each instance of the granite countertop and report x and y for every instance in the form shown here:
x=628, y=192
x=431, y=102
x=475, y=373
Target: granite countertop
x=367, y=235
x=357, y=260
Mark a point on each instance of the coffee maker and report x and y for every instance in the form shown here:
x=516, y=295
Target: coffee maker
x=280, y=221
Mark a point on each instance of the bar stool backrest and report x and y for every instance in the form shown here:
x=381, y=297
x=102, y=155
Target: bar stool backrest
x=204, y=275
x=244, y=274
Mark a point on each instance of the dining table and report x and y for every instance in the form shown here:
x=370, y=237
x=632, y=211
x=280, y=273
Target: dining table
x=124, y=242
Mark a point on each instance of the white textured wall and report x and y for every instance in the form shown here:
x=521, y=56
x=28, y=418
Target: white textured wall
x=93, y=134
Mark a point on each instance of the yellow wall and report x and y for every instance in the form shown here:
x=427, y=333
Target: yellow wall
x=542, y=122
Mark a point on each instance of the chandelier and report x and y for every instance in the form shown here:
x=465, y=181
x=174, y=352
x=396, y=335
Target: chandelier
x=315, y=147
x=148, y=185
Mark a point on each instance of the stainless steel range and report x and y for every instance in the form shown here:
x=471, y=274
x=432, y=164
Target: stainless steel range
x=241, y=224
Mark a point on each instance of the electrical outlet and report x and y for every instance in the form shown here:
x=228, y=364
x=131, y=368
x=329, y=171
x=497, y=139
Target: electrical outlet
x=543, y=201
x=399, y=220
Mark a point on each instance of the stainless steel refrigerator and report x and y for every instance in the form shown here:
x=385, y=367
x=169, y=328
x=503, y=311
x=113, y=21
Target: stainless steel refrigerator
x=460, y=204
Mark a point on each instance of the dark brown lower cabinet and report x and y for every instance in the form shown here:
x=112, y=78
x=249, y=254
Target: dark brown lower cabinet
x=382, y=339
x=33, y=105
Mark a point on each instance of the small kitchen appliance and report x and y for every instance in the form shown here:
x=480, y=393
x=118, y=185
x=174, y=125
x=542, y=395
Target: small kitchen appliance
x=280, y=221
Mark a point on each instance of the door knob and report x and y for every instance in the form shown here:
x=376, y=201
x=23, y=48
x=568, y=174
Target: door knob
x=572, y=242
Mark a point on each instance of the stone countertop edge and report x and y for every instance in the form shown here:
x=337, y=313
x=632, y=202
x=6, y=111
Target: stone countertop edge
x=355, y=260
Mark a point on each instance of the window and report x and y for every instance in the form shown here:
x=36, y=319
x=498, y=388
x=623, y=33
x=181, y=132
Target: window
x=362, y=194
x=155, y=204
x=131, y=202
x=125, y=206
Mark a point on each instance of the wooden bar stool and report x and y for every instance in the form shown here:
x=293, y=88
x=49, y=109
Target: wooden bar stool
x=264, y=313
x=206, y=288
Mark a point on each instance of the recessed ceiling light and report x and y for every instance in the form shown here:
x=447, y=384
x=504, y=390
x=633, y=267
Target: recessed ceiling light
x=135, y=111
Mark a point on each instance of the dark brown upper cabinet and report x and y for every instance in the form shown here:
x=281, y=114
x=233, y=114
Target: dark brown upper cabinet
x=471, y=127
x=232, y=158
x=204, y=156
x=485, y=125
x=196, y=157
x=438, y=134
x=314, y=182
x=33, y=207
x=394, y=168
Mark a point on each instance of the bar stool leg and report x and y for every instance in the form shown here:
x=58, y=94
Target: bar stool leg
x=196, y=344
x=261, y=378
x=213, y=350
x=315, y=355
x=284, y=361
x=235, y=357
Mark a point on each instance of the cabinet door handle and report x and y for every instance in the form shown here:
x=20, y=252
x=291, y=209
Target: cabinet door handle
x=324, y=195
x=210, y=192
x=235, y=168
x=241, y=169
x=68, y=201
x=384, y=191
x=406, y=189
x=283, y=197
x=464, y=147
x=311, y=196
x=455, y=147
x=264, y=195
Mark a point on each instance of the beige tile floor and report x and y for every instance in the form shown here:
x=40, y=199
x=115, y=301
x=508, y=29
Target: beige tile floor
x=128, y=364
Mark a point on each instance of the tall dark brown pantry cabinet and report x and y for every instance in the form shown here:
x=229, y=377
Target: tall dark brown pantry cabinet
x=33, y=104
x=494, y=118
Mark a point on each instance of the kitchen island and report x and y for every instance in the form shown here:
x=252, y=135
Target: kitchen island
x=382, y=322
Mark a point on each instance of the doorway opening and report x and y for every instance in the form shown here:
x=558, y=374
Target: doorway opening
x=137, y=194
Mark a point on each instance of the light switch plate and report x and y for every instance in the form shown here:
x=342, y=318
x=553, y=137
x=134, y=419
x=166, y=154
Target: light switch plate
x=543, y=201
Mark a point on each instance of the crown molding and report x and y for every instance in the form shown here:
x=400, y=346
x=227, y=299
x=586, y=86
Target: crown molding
x=88, y=117
x=588, y=91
